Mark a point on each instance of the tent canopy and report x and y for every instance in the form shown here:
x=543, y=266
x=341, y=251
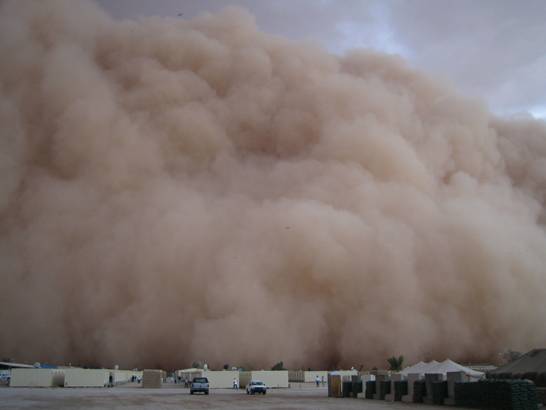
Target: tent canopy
x=531, y=362
x=421, y=367
x=442, y=368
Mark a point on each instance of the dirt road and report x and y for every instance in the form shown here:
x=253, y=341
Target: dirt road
x=121, y=398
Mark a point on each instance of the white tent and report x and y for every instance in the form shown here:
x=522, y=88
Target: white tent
x=420, y=368
x=450, y=366
x=442, y=368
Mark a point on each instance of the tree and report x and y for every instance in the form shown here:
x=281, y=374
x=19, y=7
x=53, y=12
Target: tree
x=278, y=366
x=395, y=363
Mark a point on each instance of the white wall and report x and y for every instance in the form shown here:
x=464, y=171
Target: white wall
x=189, y=374
x=120, y=376
x=309, y=376
x=36, y=378
x=86, y=377
x=221, y=379
x=344, y=373
x=271, y=378
x=244, y=378
x=124, y=376
x=296, y=376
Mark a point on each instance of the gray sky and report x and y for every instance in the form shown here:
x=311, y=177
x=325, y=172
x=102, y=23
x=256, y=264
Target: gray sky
x=495, y=49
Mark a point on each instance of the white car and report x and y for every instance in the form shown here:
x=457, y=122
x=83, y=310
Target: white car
x=256, y=386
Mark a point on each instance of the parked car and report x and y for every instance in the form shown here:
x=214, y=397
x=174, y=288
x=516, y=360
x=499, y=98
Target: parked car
x=199, y=385
x=256, y=386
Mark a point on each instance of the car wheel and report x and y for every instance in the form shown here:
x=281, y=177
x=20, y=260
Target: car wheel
x=207, y=392
x=191, y=391
x=264, y=392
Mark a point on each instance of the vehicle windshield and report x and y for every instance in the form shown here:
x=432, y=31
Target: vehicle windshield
x=200, y=380
x=258, y=383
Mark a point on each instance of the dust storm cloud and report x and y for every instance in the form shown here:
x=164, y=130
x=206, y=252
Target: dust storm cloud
x=175, y=190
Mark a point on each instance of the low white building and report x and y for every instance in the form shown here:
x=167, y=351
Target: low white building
x=124, y=376
x=310, y=376
x=37, y=378
x=75, y=377
x=221, y=379
x=218, y=379
x=189, y=374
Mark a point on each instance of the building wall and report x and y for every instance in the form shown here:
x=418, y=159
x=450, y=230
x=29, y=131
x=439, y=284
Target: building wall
x=189, y=374
x=222, y=379
x=37, y=378
x=124, y=376
x=86, y=377
x=345, y=373
x=244, y=378
x=296, y=376
x=271, y=378
x=120, y=376
x=309, y=376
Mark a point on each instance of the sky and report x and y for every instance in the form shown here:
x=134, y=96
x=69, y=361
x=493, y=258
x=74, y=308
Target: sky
x=490, y=49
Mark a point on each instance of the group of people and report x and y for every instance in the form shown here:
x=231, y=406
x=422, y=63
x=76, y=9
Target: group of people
x=180, y=380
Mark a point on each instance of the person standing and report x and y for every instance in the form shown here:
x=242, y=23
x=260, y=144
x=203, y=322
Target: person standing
x=317, y=380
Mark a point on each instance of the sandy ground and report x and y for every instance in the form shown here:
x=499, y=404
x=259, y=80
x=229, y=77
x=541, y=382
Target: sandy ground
x=130, y=398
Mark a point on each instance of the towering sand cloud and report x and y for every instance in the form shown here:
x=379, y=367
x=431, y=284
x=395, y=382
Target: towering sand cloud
x=173, y=190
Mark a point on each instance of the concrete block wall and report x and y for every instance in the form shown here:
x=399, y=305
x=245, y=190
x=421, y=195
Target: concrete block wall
x=394, y=378
x=412, y=378
x=429, y=379
x=452, y=378
x=379, y=377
